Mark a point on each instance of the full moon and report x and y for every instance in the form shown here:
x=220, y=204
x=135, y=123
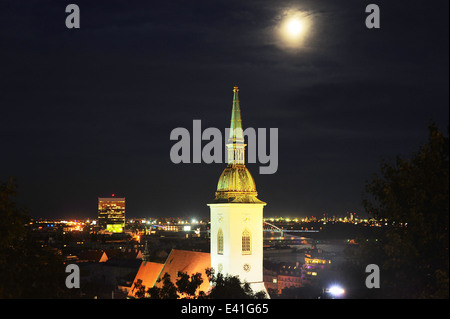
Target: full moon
x=293, y=29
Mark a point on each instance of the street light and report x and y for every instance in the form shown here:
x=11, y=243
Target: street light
x=335, y=291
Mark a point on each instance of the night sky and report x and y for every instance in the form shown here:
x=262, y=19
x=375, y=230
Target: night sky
x=88, y=112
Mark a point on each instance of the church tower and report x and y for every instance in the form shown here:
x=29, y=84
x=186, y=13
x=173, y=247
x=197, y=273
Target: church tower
x=237, y=213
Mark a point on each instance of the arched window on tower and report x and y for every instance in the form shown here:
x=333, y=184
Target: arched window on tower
x=220, y=242
x=246, y=242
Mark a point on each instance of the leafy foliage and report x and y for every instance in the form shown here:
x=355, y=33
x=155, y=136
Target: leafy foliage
x=413, y=195
x=167, y=291
x=223, y=287
x=27, y=270
x=185, y=286
x=189, y=285
x=12, y=219
x=230, y=287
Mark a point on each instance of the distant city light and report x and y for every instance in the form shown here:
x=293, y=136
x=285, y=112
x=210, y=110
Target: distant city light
x=336, y=291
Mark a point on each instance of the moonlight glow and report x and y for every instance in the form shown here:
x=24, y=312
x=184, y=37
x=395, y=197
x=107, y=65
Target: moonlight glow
x=294, y=28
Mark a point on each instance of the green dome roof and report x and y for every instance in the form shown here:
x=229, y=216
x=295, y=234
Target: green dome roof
x=236, y=185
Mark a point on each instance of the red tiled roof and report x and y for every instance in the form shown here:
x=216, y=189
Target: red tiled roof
x=92, y=256
x=148, y=273
x=189, y=262
x=186, y=261
x=133, y=254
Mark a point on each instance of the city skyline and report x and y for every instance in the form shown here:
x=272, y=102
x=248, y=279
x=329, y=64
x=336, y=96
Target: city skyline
x=88, y=112
x=218, y=150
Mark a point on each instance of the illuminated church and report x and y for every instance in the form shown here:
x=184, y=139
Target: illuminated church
x=237, y=213
x=236, y=233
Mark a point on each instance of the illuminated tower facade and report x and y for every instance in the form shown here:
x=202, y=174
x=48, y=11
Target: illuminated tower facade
x=111, y=213
x=237, y=213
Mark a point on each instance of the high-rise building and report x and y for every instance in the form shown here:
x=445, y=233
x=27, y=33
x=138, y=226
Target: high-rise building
x=237, y=213
x=111, y=213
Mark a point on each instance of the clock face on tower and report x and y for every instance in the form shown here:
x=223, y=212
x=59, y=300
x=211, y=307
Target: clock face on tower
x=247, y=267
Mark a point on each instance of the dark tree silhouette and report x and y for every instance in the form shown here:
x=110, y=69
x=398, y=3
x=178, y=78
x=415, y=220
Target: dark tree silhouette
x=188, y=285
x=167, y=291
x=231, y=287
x=223, y=287
x=185, y=286
x=12, y=219
x=140, y=289
x=413, y=195
x=27, y=270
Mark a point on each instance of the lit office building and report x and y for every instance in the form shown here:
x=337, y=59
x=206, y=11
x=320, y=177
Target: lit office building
x=111, y=213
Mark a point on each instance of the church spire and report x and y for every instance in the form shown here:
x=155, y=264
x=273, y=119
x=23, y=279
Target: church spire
x=146, y=253
x=236, y=146
x=236, y=133
x=236, y=184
